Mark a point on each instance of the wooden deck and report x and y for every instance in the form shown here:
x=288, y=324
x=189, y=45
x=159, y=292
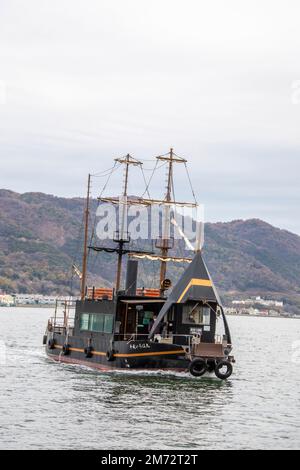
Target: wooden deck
x=208, y=350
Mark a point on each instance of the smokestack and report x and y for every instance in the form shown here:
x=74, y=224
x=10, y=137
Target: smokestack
x=131, y=278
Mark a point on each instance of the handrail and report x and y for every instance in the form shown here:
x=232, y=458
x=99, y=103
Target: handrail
x=138, y=336
x=61, y=322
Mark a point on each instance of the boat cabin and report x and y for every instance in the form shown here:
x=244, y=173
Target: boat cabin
x=128, y=318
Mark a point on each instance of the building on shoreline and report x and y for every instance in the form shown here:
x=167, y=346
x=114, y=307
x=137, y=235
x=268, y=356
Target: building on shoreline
x=6, y=300
x=252, y=307
x=31, y=299
x=259, y=301
x=258, y=307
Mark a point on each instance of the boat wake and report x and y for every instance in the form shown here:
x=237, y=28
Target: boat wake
x=159, y=373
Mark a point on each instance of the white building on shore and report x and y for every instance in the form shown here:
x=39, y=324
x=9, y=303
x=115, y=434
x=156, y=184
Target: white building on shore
x=259, y=301
x=257, y=307
x=37, y=299
x=6, y=300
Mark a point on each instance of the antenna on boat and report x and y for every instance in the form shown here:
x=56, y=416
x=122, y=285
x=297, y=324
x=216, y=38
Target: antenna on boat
x=86, y=234
x=166, y=243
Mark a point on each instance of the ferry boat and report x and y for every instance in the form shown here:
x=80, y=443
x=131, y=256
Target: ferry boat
x=130, y=327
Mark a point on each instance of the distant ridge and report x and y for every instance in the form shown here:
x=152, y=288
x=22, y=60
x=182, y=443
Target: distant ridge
x=39, y=236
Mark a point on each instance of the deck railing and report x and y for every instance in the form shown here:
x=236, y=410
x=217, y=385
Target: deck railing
x=64, y=316
x=191, y=341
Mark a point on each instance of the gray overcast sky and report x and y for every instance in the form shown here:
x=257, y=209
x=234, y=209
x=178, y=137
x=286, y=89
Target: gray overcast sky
x=86, y=81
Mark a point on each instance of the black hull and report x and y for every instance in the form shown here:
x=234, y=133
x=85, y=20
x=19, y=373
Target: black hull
x=137, y=355
x=107, y=368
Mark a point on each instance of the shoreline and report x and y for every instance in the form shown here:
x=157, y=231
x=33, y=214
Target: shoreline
x=228, y=314
x=262, y=316
x=27, y=306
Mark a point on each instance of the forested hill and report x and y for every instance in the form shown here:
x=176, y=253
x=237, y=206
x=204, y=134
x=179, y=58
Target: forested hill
x=39, y=240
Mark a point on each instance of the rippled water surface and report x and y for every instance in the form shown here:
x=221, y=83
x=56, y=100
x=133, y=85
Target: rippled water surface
x=50, y=406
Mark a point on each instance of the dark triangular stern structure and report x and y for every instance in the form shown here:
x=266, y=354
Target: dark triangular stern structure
x=195, y=285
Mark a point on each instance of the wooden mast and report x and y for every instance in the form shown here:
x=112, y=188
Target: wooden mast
x=166, y=234
x=165, y=245
x=86, y=234
x=121, y=240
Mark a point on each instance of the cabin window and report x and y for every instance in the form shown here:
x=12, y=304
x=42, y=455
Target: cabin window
x=195, y=314
x=98, y=323
x=108, y=323
x=144, y=319
x=84, y=321
x=206, y=316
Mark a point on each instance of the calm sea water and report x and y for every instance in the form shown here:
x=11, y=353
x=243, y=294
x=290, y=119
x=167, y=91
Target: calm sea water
x=50, y=406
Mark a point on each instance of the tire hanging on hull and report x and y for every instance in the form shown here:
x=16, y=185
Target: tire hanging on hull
x=51, y=344
x=110, y=355
x=198, y=367
x=224, y=375
x=66, y=349
x=88, y=352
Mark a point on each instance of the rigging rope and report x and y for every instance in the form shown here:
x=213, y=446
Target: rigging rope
x=71, y=279
x=104, y=173
x=112, y=170
x=150, y=180
x=191, y=184
x=108, y=174
x=147, y=186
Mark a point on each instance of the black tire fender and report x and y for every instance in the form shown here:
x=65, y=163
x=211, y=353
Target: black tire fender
x=51, y=344
x=66, y=349
x=110, y=355
x=223, y=375
x=198, y=367
x=88, y=352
